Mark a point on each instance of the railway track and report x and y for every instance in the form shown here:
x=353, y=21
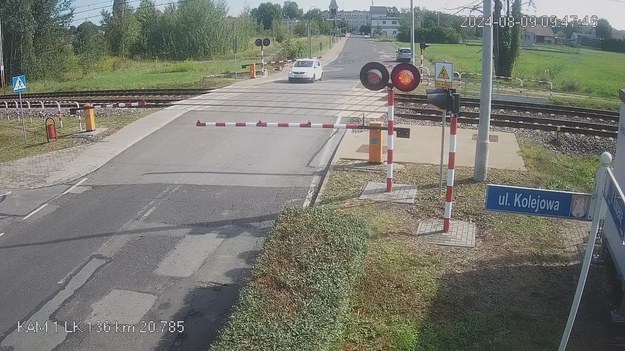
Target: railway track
x=147, y=97
x=552, y=118
x=519, y=115
x=532, y=108
x=68, y=95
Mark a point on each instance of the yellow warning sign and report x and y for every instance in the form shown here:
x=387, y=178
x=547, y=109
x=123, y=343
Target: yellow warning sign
x=443, y=74
x=442, y=84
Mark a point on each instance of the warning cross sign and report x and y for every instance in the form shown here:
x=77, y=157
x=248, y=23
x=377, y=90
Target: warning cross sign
x=444, y=75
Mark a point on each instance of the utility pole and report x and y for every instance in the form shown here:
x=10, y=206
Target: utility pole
x=412, y=53
x=2, y=80
x=309, y=42
x=481, y=152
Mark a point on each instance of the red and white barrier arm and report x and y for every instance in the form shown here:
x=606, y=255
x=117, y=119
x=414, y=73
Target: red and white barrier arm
x=122, y=104
x=279, y=125
x=451, y=173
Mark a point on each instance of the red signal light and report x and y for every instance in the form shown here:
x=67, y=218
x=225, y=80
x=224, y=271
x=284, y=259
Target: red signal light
x=405, y=77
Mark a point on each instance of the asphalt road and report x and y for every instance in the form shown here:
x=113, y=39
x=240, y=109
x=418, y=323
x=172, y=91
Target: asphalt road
x=162, y=237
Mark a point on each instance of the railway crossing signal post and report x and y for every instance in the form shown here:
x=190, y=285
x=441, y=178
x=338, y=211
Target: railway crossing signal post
x=404, y=77
x=262, y=43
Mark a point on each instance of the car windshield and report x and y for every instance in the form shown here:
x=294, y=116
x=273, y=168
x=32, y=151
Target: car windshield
x=404, y=51
x=303, y=64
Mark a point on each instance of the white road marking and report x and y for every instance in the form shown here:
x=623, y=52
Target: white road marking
x=5, y=194
x=1, y=234
x=74, y=186
x=35, y=211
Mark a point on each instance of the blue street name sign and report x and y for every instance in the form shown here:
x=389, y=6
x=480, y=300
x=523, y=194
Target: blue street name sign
x=537, y=202
x=616, y=204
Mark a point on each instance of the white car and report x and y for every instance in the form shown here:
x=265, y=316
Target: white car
x=308, y=70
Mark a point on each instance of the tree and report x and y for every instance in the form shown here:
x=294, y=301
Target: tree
x=148, y=42
x=366, y=29
x=122, y=29
x=267, y=13
x=291, y=10
x=319, y=23
x=378, y=31
x=393, y=12
x=89, y=45
x=37, y=38
x=506, y=39
x=202, y=31
x=603, y=29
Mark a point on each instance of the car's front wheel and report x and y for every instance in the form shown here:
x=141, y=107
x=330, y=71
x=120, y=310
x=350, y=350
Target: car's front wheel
x=314, y=78
x=321, y=77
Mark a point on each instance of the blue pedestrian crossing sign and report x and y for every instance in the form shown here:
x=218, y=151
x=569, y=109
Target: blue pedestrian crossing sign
x=19, y=84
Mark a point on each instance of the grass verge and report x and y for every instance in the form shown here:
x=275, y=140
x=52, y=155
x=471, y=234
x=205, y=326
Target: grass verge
x=117, y=73
x=577, y=71
x=511, y=292
x=13, y=146
x=297, y=298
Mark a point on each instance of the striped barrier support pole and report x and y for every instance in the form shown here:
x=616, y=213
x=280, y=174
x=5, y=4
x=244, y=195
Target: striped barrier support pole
x=58, y=106
x=6, y=108
x=29, y=111
x=391, y=140
x=451, y=165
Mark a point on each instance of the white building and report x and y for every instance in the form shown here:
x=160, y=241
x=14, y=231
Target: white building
x=381, y=19
x=354, y=19
x=389, y=25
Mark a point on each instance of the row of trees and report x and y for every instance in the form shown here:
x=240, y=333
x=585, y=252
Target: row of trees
x=191, y=29
x=39, y=40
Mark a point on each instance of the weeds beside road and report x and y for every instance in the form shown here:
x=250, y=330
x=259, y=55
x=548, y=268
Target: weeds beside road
x=511, y=292
x=13, y=147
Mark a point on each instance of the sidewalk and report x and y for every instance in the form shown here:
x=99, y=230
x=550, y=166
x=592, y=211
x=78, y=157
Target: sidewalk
x=424, y=146
x=66, y=165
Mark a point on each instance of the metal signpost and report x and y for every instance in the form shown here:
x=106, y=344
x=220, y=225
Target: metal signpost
x=443, y=79
x=19, y=86
x=235, y=48
x=440, y=172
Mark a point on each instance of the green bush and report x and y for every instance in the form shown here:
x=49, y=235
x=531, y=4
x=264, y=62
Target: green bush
x=179, y=67
x=293, y=49
x=109, y=64
x=571, y=85
x=298, y=295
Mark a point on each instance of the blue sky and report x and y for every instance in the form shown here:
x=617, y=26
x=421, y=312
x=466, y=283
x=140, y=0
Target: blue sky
x=612, y=10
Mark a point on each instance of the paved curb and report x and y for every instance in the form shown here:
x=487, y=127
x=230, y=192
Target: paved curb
x=326, y=174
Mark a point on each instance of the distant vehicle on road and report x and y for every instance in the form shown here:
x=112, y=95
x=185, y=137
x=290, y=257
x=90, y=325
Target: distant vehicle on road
x=404, y=55
x=308, y=70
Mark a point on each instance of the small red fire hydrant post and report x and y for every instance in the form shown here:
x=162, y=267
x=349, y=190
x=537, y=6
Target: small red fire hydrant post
x=50, y=129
